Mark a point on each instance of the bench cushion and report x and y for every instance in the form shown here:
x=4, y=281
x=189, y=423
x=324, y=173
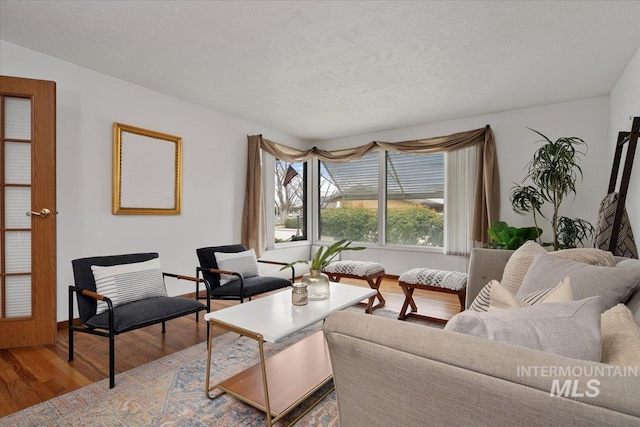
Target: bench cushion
x=354, y=268
x=453, y=280
x=145, y=312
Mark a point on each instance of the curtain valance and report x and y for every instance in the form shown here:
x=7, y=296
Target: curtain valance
x=486, y=193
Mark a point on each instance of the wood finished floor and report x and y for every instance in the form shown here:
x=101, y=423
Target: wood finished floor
x=32, y=375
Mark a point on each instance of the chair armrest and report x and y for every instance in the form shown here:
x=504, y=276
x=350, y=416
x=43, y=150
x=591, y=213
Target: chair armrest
x=197, y=280
x=218, y=271
x=88, y=293
x=181, y=277
x=272, y=262
x=94, y=295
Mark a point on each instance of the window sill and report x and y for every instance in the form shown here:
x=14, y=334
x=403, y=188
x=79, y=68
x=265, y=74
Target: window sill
x=399, y=248
x=292, y=244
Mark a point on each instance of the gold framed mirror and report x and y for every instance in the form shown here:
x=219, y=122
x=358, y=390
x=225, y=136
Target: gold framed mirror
x=146, y=171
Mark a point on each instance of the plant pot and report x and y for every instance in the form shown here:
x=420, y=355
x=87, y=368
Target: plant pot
x=317, y=285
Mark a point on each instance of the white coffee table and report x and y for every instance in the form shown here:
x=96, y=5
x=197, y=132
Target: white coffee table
x=269, y=385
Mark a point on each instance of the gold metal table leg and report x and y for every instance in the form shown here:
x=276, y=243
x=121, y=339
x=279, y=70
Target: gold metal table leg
x=225, y=388
x=248, y=334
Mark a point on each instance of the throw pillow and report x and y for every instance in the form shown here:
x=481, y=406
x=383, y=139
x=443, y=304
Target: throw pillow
x=620, y=337
x=518, y=264
x=483, y=299
x=591, y=256
x=570, y=329
x=613, y=284
x=125, y=283
x=501, y=298
x=244, y=262
x=486, y=299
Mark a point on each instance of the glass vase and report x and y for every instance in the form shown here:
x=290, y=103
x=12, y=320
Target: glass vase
x=317, y=285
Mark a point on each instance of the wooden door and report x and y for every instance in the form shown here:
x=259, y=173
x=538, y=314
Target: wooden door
x=27, y=231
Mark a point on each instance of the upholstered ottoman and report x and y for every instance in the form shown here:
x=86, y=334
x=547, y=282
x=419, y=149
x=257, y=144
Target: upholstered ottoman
x=451, y=282
x=372, y=272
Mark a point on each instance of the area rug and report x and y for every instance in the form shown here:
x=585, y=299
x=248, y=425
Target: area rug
x=170, y=392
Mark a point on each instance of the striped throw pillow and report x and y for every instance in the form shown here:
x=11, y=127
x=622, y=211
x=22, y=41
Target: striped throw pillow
x=244, y=262
x=129, y=282
x=495, y=296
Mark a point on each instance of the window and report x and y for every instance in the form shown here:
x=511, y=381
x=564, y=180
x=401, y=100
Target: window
x=410, y=185
x=290, y=201
x=415, y=199
x=349, y=200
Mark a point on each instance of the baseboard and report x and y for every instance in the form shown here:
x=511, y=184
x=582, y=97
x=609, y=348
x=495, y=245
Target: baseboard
x=65, y=323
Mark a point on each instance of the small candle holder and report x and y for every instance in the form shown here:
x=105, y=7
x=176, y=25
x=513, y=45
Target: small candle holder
x=299, y=295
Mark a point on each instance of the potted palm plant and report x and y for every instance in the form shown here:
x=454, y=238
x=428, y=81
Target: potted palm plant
x=317, y=282
x=553, y=171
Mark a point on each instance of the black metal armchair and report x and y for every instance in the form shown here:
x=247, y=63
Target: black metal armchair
x=241, y=287
x=127, y=316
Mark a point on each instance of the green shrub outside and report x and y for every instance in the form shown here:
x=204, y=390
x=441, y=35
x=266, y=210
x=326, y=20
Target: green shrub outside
x=415, y=225
x=291, y=223
x=358, y=223
x=410, y=225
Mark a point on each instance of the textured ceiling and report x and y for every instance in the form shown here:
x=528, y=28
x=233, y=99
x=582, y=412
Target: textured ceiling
x=320, y=70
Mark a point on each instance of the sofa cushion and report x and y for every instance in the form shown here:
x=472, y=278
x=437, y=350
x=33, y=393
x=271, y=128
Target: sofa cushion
x=126, y=283
x=244, y=262
x=620, y=337
x=613, y=284
x=570, y=329
x=485, y=299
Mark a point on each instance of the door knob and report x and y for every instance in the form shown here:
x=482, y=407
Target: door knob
x=44, y=213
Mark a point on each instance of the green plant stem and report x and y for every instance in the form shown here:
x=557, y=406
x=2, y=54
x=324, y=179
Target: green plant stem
x=535, y=223
x=554, y=222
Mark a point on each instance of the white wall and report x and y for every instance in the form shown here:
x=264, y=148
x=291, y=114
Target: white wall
x=587, y=119
x=624, y=104
x=214, y=159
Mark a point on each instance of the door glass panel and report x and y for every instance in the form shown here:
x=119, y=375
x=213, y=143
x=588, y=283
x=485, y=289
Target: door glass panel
x=16, y=256
x=17, y=163
x=17, y=202
x=18, y=296
x=17, y=118
x=17, y=252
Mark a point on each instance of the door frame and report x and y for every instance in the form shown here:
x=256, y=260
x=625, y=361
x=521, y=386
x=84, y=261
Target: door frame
x=40, y=328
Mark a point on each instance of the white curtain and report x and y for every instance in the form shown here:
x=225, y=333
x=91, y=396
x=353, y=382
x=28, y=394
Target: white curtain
x=460, y=172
